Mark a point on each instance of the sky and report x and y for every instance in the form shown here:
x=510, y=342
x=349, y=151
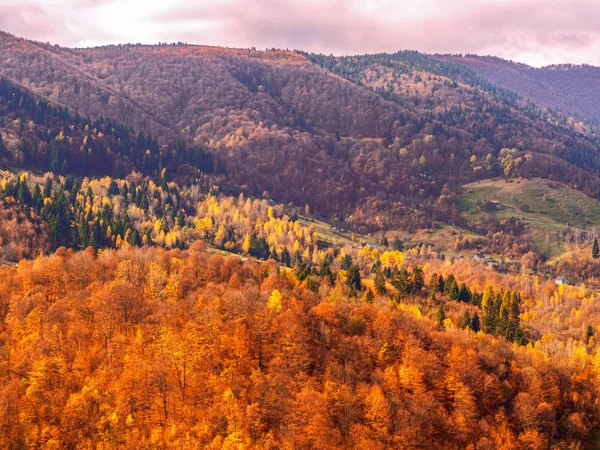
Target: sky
x=536, y=32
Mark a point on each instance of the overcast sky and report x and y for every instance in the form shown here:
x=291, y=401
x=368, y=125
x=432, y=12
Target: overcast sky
x=537, y=32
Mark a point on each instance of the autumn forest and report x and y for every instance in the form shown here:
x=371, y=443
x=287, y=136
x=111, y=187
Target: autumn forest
x=218, y=248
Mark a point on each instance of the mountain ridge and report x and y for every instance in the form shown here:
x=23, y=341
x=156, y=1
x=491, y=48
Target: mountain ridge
x=385, y=136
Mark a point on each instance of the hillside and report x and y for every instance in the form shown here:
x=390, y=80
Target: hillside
x=389, y=152
x=572, y=89
x=144, y=348
x=556, y=218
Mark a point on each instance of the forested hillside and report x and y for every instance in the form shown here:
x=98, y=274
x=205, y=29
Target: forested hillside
x=143, y=348
x=572, y=89
x=390, y=144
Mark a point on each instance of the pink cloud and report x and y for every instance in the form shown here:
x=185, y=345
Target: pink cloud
x=534, y=31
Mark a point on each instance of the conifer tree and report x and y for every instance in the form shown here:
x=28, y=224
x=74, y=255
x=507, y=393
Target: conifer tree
x=466, y=320
x=488, y=306
x=475, y=323
x=380, y=282
x=595, y=249
x=353, y=280
x=440, y=315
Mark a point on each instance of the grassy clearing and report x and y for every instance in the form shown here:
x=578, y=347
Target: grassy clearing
x=335, y=237
x=548, y=208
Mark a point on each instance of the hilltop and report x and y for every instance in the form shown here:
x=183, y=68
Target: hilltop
x=572, y=89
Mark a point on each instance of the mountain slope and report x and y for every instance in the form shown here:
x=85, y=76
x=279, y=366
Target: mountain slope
x=388, y=138
x=573, y=89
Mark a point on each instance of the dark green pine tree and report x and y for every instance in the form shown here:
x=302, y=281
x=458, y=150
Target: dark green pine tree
x=515, y=320
x=589, y=333
x=83, y=232
x=369, y=297
x=113, y=188
x=286, y=259
x=488, y=305
x=96, y=236
x=434, y=284
x=475, y=323
x=503, y=327
x=466, y=320
x=1, y=144
x=134, y=238
x=452, y=290
x=418, y=280
x=464, y=295
x=55, y=159
x=440, y=315
x=23, y=194
x=36, y=199
x=595, y=249
x=48, y=188
x=346, y=262
x=353, y=280
x=403, y=283
x=380, y=282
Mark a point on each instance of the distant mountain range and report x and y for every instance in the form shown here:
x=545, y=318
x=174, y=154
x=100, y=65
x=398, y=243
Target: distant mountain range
x=572, y=89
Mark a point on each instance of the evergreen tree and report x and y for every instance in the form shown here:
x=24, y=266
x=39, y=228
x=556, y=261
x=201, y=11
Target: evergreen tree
x=440, y=315
x=96, y=237
x=403, y=283
x=353, y=280
x=595, y=249
x=82, y=230
x=488, y=305
x=464, y=295
x=451, y=288
x=466, y=320
x=48, y=188
x=475, y=324
x=417, y=279
x=369, y=296
x=589, y=333
x=513, y=328
x=23, y=194
x=134, y=238
x=286, y=260
x=113, y=188
x=434, y=284
x=503, y=324
x=36, y=200
x=346, y=262
x=380, y=283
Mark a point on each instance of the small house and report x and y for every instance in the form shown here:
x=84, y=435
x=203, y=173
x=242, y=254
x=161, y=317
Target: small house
x=561, y=280
x=478, y=257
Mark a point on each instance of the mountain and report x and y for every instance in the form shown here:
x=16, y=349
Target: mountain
x=388, y=151
x=572, y=89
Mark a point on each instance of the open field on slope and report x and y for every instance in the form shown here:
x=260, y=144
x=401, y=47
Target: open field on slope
x=546, y=207
x=336, y=237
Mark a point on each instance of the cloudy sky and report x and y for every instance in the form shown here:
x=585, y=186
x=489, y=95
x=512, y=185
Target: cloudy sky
x=537, y=32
